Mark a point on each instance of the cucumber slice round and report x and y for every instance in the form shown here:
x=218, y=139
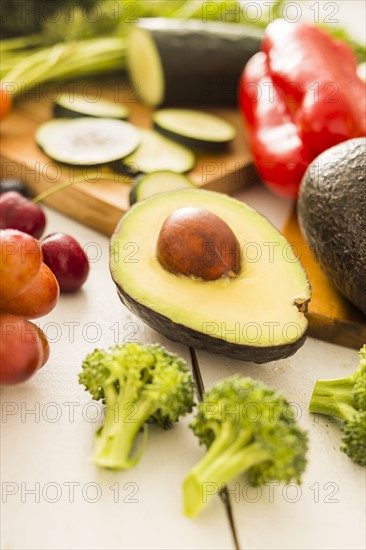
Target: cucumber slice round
x=158, y=182
x=78, y=106
x=157, y=153
x=87, y=141
x=196, y=128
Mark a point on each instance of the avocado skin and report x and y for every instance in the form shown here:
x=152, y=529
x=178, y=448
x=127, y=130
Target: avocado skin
x=192, y=338
x=332, y=216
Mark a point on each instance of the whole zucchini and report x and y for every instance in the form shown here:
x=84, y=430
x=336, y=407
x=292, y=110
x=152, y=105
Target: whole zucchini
x=189, y=62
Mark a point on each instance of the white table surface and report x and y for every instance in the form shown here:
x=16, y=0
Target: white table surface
x=53, y=497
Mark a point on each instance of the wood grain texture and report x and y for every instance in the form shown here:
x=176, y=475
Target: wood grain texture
x=331, y=317
x=100, y=202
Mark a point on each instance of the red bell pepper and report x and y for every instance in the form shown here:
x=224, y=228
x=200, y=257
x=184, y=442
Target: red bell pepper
x=299, y=96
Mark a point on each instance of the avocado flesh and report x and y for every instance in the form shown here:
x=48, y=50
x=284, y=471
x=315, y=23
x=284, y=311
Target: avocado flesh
x=257, y=316
x=332, y=216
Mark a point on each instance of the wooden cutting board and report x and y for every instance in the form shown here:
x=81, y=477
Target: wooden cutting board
x=100, y=202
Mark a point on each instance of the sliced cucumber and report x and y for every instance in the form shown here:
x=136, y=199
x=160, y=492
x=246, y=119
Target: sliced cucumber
x=157, y=153
x=76, y=105
x=195, y=128
x=158, y=182
x=87, y=141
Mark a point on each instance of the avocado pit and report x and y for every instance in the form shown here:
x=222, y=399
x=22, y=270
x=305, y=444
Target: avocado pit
x=197, y=243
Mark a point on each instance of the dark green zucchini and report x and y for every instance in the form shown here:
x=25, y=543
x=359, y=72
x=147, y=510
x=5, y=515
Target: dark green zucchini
x=194, y=128
x=189, y=62
x=158, y=182
x=157, y=153
x=87, y=141
x=76, y=105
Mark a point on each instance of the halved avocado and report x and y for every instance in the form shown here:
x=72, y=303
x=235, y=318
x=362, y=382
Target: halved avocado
x=258, y=315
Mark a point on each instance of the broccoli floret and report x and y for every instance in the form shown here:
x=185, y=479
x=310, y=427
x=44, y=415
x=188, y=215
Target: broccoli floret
x=247, y=427
x=345, y=398
x=138, y=384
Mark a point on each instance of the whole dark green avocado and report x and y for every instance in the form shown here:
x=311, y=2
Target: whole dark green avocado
x=332, y=216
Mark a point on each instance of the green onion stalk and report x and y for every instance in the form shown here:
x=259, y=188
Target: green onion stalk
x=65, y=61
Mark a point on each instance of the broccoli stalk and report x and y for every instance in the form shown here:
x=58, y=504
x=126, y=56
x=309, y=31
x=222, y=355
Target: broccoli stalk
x=333, y=398
x=247, y=427
x=124, y=418
x=138, y=384
x=345, y=398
